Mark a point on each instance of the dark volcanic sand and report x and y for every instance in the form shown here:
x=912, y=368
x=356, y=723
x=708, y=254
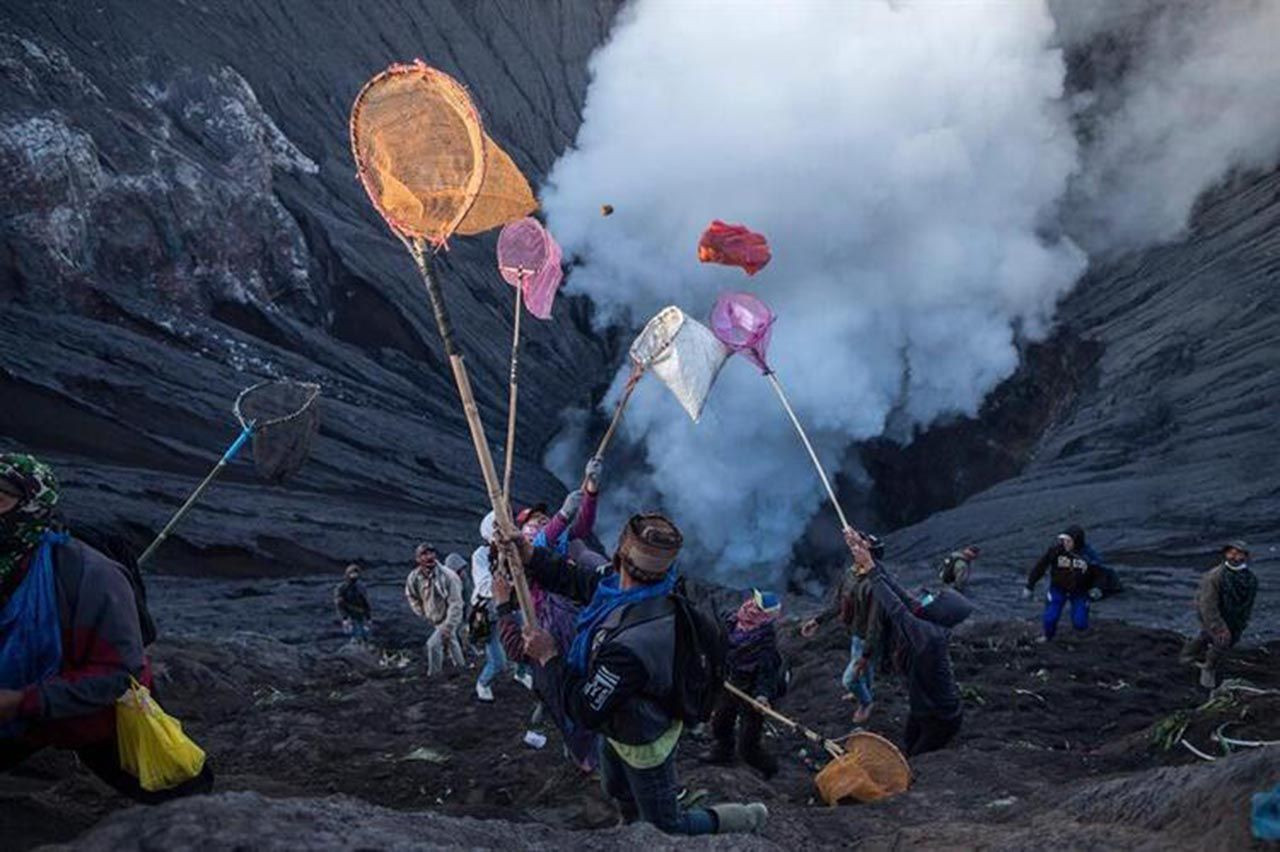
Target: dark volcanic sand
x=303, y=718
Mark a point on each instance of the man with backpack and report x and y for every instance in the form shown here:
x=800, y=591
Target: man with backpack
x=957, y=567
x=643, y=662
x=70, y=637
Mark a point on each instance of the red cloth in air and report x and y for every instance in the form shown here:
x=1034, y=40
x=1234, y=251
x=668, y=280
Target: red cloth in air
x=734, y=245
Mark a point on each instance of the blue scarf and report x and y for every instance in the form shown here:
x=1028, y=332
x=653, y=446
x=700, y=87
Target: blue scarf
x=562, y=543
x=608, y=597
x=30, y=629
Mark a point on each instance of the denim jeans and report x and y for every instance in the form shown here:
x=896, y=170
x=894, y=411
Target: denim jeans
x=1054, y=604
x=495, y=662
x=359, y=629
x=859, y=687
x=650, y=794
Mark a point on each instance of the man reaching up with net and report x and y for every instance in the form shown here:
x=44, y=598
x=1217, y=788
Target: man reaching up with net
x=621, y=675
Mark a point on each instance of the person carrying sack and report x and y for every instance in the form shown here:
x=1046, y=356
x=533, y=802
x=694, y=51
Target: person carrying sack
x=71, y=644
x=629, y=671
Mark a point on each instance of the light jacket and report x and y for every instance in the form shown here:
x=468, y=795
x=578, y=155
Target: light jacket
x=439, y=601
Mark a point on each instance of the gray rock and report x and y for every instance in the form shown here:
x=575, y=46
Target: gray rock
x=182, y=219
x=233, y=821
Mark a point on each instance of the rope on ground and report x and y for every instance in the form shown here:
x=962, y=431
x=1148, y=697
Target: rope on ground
x=1197, y=752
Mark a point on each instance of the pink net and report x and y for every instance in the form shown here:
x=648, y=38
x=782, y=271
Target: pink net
x=529, y=257
x=743, y=323
x=734, y=245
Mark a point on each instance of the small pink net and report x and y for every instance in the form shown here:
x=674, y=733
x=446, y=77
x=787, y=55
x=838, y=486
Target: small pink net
x=743, y=323
x=528, y=257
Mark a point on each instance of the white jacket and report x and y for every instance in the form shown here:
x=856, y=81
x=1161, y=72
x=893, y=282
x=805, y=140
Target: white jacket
x=481, y=575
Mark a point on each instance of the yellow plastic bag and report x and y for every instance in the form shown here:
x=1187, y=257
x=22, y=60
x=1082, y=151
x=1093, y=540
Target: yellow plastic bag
x=152, y=746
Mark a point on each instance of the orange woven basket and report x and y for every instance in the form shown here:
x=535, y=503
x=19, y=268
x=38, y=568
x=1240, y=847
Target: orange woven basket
x=871, y=769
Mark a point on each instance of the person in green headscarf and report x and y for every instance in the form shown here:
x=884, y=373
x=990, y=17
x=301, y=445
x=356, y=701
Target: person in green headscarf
x=70, y=637
x=28, y=496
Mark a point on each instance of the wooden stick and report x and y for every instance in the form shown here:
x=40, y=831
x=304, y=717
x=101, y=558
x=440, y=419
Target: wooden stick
x=636, y=372
x=501, y=510
x=833, y=748
x=230, y=454
x=509, y=458
x=822, y=474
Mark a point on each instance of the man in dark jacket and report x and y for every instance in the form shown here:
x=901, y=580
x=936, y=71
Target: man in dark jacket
x=69, y=637
x=353, y=604
x=755, y=666
x=1071, y=576
x=619, y=676
x=1224, y=604
x=919, y=650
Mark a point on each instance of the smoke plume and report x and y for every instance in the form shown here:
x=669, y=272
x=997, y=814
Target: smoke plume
x=909, y=163
x=1188, y=92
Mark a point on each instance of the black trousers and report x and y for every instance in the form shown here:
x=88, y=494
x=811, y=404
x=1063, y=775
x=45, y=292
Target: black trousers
x=103, y=760
x=724, y=721
x=929, y=733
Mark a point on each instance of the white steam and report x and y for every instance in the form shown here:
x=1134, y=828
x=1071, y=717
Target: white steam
x=909, y=163
x=901, y=160
x=1199, y=96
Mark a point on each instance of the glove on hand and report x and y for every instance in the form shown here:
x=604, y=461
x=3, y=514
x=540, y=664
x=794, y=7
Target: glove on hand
x=572, y=504
x=591, y=476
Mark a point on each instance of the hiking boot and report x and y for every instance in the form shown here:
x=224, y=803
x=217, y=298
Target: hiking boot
x=740, y=819
x=862, y=714
x=523, y=678
x=484, y=693
x=720, y=754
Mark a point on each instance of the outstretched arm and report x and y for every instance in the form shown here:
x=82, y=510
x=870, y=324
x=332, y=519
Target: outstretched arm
x=559, y=576
x=1040, y=568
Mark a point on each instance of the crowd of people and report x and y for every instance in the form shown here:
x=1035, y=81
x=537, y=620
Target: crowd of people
x=617, y=653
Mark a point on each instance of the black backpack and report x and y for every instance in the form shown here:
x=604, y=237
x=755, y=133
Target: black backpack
x=702, y=646
x=117, y=550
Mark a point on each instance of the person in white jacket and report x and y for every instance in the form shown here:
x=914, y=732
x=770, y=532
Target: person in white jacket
x=434, y=593
x=484, y=614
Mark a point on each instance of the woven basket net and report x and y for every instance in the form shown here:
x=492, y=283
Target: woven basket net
x=425, y=160
x=871, y=769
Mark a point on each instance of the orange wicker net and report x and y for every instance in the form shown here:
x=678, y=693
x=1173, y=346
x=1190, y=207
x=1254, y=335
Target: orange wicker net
x=871, y=769
x=425, y=160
